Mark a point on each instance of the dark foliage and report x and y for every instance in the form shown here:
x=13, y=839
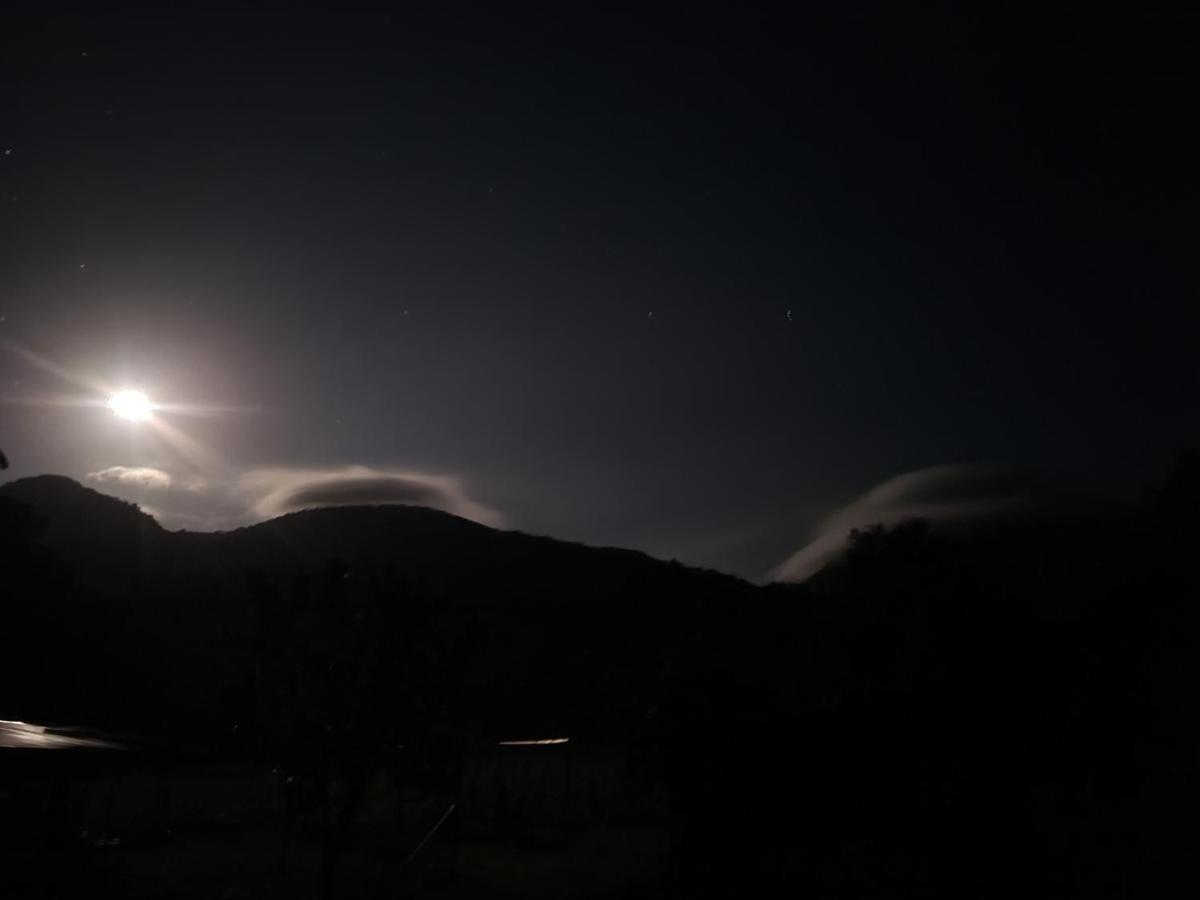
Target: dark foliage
x=1006, y=712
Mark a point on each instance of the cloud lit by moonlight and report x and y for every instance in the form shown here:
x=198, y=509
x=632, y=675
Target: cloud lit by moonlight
x=147, y=477
x=941, y=495
x=284, y=490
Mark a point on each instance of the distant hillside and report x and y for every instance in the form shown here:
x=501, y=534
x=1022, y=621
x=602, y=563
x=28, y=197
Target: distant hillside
x=522, y=606
x=91, y=529
x=107, y=536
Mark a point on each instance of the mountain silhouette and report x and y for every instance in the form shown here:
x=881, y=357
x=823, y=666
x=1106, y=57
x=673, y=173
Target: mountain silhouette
x=104, y=535
x=957, y=714
x=529, y=605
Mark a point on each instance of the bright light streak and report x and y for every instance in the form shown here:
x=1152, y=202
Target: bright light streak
x=129, y=404
x=24, y=735
x=544, y=742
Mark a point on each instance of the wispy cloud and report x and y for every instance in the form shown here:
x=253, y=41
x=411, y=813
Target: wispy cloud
x=177, y=499
x=939, y=494
x=145, y=477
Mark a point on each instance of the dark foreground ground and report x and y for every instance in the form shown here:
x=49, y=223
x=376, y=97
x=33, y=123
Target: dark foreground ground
x=95, y=823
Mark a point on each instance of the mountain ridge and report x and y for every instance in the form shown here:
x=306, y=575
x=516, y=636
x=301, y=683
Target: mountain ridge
x=189, y=611
x=367, y=532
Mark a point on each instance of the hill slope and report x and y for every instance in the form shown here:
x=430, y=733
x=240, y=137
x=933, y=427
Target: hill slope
x=186, y=611
x=91, y=529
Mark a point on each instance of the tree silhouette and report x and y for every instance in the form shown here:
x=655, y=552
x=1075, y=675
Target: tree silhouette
x=348, y=678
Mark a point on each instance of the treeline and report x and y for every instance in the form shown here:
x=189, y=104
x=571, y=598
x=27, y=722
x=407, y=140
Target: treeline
x=1010, y=711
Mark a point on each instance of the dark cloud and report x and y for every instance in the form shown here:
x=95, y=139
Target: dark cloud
x=365, y=492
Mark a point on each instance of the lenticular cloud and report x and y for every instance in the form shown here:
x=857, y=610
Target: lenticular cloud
x=283, y=490
x=939, y=495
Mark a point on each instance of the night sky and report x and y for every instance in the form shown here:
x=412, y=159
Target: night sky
x=680, y=281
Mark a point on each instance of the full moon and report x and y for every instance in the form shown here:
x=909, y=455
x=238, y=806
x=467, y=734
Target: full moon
x=132, y=405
